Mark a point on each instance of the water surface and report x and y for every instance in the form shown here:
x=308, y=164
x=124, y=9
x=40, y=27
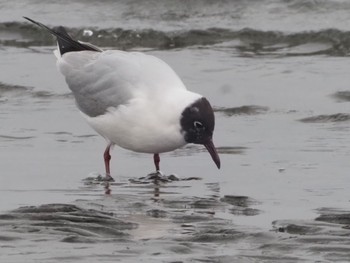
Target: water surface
x=277, y=75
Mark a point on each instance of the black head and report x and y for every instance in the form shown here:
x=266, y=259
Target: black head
x=197, y=123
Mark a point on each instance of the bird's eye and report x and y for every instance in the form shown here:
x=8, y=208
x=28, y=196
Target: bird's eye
x=198, y=125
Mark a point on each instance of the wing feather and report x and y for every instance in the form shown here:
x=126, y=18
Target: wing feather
x=101, y=80
x=112, y=78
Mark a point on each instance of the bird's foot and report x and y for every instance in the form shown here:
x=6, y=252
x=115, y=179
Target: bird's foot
x=106, y=178
x=155, y=175
x=98, y=179
x=158, y=176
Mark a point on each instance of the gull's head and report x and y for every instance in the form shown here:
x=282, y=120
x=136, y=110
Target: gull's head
x=197, y=123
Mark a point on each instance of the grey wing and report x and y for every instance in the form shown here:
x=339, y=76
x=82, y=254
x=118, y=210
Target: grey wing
x=94, y=103
x=96, y=82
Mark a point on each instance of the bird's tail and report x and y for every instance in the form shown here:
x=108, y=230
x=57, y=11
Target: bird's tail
x=64, y=41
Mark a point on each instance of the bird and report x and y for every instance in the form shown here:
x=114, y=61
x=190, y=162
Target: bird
x=132, y=99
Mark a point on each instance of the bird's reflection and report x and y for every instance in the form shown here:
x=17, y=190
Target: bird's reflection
x=156, y=192
x=156, y=182
x=108, y=190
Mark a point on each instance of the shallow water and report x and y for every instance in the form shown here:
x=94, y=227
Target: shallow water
x=280, y=94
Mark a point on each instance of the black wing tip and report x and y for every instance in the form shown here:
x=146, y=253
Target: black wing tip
x=65, y=42
x=31, y=20
x=37, y=23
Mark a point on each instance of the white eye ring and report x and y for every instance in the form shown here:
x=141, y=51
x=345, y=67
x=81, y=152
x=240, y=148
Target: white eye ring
x=198, y=124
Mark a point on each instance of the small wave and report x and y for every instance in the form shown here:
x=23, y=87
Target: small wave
x=332, y=215
x=230, y=149
x=245, y=41
x=13, y=138
x=342, y=95
x=42, y=94
x=242, y=110
x=189, y=150
x=68, y=222
x=9, y=90
x=239, y=200
x=241, y=205
x=338, y=117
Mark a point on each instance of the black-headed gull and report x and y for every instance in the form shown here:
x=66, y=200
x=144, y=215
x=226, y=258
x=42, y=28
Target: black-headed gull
x=133, y=100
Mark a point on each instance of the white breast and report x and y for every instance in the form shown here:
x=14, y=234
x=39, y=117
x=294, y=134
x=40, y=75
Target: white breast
x=149, y=124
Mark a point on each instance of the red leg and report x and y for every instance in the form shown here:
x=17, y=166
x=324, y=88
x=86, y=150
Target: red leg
x=107, y=158
x=156, y=160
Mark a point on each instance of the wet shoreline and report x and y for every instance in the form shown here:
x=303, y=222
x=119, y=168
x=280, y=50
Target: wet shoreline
x=170, y=228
